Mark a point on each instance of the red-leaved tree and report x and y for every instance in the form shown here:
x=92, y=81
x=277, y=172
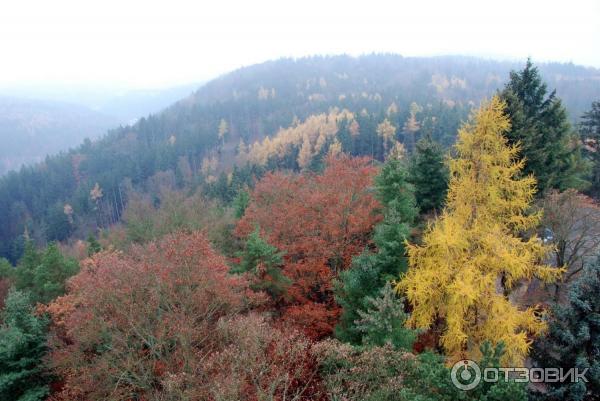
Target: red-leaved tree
x=149, y=324
x=320, y=221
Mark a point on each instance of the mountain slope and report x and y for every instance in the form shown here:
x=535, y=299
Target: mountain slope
x=31, y=129
x=196, y=139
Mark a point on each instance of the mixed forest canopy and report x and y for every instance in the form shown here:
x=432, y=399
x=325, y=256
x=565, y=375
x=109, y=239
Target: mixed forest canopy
x=364, y=106
x=327, y=228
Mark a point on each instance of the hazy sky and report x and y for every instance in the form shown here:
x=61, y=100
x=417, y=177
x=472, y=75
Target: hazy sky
x=158, y=43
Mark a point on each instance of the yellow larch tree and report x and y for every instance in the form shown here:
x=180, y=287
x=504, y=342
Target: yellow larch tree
x=305, y=154
x=396, y=152
x=335, y=149
x=392, y=109
x=223, y=130
x=472, y=255
x=387, y=131
x=308, y=137
x=411, y=126
x=242, y=152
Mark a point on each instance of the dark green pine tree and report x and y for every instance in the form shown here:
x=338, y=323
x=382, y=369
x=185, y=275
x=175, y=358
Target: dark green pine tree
x=6, y=269
x=58, y=227
x=590, y=135
x=539, y=123
x=93, y=246
x=369, y=272
x=240, y=203
x=573, y=340
x=43, y=274
x=22, y=348
x=23, y=275
x=429, y=175
x=383, y=322
x=263, y=261
x=396, y=195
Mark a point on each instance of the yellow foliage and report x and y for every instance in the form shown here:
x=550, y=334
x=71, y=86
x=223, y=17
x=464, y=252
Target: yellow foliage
x=309, y=137
x=264, y=93
x=96, y=193
x=440, y=82
x=305, y=154
x=209, y=165
x=415, y=108
x=411, y=125
x=472, y=255
x=242, y=152
x=386, y=130
x=335, y=148
x=223, y=129
x=397, y=151
x=392, y=109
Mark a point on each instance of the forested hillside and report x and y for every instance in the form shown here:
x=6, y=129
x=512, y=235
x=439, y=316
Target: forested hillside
x=31, y=129
x=320, y=229
x=369, y=103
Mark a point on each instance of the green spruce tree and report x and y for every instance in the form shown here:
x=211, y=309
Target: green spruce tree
x=371, y=270
x=93, y=246
x=429, y=175
x=22, y=348
x=590, y=135
x=383, y=321
x=540, y=125
x=573, y=340
x=240, y=203
x=23, y=275
x=43, y=274
x=263, y=261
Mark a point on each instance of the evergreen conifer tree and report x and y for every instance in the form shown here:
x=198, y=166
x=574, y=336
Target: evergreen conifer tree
x=539, y=123
x=93, y=246
x=263, y=261
x=429, y=175
x=371, y=270
x=590, y=134
x=573, y=339
x=22, y=347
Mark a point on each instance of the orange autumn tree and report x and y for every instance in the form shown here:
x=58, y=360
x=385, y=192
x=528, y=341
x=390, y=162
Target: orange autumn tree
x=319, y=221
x=130, y=318
x=152, y=324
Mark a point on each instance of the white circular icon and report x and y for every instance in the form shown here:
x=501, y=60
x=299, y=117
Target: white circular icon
x=465, y=374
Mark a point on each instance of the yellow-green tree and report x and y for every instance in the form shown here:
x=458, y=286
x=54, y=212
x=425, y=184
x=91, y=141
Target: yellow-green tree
x=223, y=130
x=472, y=255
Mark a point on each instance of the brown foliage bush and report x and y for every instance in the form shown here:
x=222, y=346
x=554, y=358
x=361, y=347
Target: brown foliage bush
x=141, y=325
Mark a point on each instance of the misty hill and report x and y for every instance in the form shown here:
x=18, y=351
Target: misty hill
x=129, y=106
x=35, y=122
x=32, y=129
x=197, y=139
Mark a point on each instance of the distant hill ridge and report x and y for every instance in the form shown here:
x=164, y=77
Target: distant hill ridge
x=198, y=137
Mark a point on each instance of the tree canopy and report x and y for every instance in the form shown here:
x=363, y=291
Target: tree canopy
x=474, y=245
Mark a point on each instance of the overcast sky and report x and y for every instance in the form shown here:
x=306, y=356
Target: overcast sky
x=159, y=43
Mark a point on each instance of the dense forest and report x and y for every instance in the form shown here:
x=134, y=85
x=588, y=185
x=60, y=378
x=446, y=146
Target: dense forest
x=198, y=138
x=31, y=129
x=44, y=120
x=327, y=228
